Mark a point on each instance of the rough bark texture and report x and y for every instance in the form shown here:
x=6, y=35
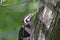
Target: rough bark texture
x=40, y=30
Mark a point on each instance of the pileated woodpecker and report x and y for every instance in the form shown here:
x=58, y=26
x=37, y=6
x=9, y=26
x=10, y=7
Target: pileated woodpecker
x=25, y=31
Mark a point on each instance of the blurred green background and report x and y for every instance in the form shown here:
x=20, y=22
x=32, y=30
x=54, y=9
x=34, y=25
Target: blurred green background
x=11, y=13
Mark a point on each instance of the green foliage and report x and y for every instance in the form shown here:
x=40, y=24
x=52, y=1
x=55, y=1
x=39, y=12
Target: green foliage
x=34, y=0
x=11, y=13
